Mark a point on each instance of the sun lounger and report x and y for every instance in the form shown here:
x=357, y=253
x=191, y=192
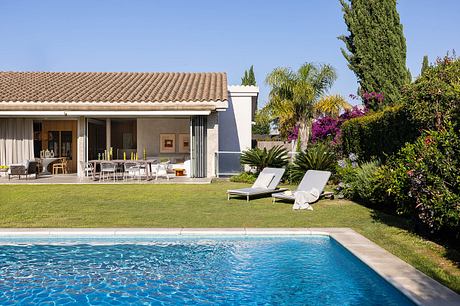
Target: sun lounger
x=265, y=184
x=312, y=179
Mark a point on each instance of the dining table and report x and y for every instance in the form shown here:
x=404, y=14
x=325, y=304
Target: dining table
x=46, y=162
x=146, y=162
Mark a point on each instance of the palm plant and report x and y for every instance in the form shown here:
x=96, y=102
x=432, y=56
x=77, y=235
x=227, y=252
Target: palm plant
x=317, y=157
x=260, y=158
x=332, y=106
x=294, y=95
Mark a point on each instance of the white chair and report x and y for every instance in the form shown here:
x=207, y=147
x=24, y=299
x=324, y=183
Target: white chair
x=130, y=169
x=160, y=170
x=108, y=168
x=88, y=168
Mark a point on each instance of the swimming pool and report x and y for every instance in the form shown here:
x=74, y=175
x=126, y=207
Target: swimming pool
x=313, y=270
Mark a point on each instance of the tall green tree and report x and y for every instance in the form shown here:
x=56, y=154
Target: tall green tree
x=295, y=94
x=249, y=77
x=262, y=121
x=425, y=64
x=375, y=46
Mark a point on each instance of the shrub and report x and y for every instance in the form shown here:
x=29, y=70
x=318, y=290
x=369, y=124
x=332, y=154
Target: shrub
x=377, y=135
x=260, y=158
x=358, y=181
x=244, y=177
x=434, y=98
x=317, y=157
x=425, y=181
x=328, y=128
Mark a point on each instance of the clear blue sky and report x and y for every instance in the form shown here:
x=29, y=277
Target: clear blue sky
x=211, y=35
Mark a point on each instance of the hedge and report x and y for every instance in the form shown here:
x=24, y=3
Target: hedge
x=379, y=134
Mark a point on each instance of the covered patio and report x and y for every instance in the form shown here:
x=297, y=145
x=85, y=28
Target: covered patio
x=165, y=122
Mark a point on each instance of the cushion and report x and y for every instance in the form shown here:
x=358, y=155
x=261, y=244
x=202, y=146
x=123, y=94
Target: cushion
x=264, y=180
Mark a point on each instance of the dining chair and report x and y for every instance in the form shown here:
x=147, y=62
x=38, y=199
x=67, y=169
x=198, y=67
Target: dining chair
x=107, y=169
x=130, y=169
x=60, y=165
x=88, y=168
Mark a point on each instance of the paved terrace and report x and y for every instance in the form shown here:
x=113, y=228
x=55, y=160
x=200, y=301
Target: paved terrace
x=74, y=179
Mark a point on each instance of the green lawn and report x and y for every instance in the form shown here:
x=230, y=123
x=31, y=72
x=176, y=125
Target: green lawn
x=207, y=206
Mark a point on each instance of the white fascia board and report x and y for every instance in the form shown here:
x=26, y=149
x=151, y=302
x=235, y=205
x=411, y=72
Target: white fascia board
x=243, y=91
x=103, y=113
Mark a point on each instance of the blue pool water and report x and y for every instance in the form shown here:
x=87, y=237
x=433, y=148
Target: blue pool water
x=244, y=271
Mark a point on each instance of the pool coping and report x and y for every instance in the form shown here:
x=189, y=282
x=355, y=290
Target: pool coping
x=418, y=287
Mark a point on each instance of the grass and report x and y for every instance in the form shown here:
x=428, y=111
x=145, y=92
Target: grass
x=207, y=206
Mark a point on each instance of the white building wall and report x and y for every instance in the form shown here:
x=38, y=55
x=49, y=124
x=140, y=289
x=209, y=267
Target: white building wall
x=235, y=127
x=235, y=123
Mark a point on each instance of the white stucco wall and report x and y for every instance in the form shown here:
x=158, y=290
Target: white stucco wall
x=149, y=130
x=235, y=123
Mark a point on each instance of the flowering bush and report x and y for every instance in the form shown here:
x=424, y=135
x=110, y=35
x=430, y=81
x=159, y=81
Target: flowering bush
x=425, y=182
x=328, y=128
x=294, y=134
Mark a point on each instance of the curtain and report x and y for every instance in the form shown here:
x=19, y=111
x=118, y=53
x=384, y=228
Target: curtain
x=16, y=141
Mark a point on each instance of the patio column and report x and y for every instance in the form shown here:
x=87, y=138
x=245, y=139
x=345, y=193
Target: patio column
x=81, y=145
x=108, y=134
x=212, y=142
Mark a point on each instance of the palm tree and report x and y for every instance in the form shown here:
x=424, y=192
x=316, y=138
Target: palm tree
x=332, y=105
x=294, y=96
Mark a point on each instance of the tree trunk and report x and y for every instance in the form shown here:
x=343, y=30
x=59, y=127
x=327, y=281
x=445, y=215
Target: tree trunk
x=304, y=134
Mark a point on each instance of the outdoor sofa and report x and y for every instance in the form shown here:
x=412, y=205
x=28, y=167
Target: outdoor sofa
x=29, y=168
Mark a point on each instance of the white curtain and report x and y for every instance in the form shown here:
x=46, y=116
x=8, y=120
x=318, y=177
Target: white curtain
x=16, y=141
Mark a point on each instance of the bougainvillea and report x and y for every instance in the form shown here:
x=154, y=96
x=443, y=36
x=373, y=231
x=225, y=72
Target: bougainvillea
x=294, y=134
x=329, y=128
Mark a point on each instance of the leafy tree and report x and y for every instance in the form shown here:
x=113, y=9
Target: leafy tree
x=434, y=98
x=262, y=122
x=376, y=46
x=332, y=106
x=249, y=77
x=425, y=64
x=295, y=94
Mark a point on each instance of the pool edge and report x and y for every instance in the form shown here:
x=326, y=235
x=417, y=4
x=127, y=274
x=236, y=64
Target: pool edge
x=418, y=287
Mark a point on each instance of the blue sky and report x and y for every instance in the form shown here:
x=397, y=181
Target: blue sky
x=181, y=35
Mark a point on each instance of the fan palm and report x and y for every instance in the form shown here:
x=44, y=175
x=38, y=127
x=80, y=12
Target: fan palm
x=260, y=158
x=294, y=94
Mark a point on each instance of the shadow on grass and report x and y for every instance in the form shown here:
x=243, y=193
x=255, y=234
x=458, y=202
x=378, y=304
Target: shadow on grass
x=452, y=248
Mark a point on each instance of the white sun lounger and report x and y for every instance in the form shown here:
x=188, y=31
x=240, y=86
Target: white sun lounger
x=258, y=187
x=312, y=179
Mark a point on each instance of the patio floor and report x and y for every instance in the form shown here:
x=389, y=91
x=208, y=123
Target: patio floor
x=74, y=179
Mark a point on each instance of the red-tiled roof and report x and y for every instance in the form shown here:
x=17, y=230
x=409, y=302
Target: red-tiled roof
x=123, y=87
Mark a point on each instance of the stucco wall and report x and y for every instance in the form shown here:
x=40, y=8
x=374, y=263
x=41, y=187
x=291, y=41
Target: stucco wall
x=149, y=130
x=236, y=122
x=212, y=143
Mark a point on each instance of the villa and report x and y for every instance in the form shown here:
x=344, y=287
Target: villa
x=85, y=116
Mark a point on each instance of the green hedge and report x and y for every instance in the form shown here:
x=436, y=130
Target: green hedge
x=379, y=134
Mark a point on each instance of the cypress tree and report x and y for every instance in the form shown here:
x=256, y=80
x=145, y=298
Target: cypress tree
x=425, y=64
x=249, y=77
x=376, y=46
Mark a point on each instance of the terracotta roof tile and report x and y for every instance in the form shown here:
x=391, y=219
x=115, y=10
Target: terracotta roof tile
x=70, y=87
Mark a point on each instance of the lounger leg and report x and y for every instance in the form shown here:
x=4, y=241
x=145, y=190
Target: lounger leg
x=228, y=196
x=247, y=198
